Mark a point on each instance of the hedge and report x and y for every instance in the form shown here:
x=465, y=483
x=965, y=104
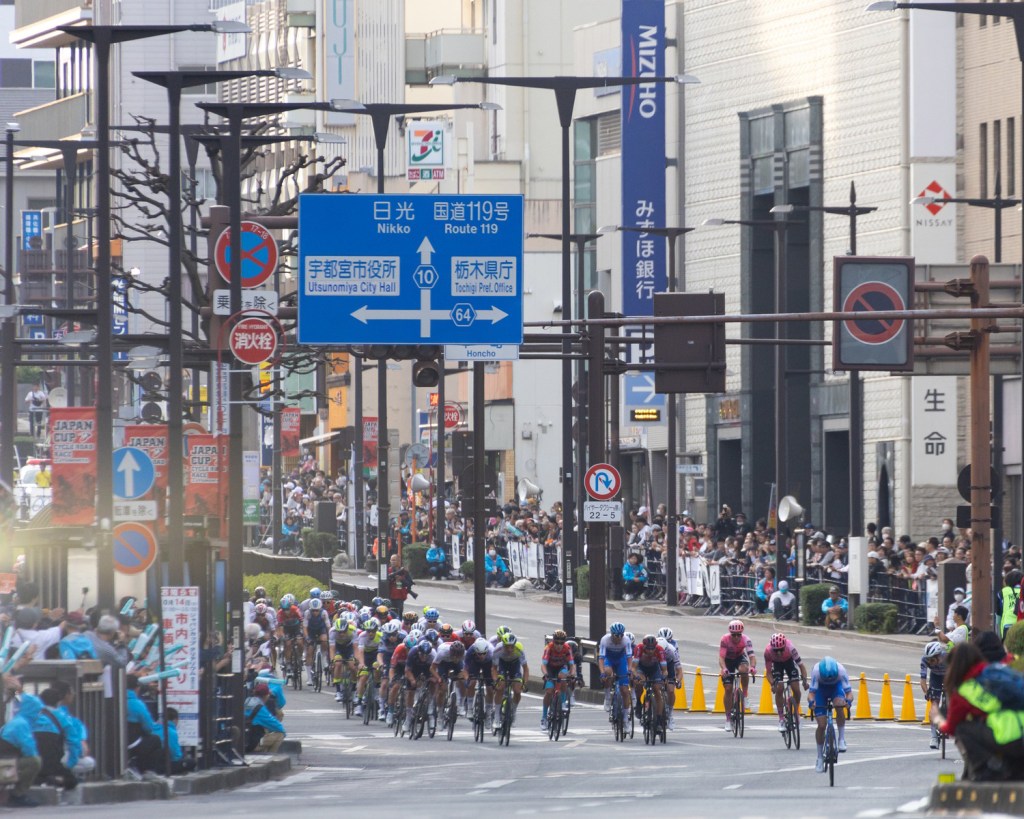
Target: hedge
x=811, y=598
x=318, y=544
x=467, y=569
x=876, y=618
x=1014, y=641
x=414, y=558
x=583, y=582
x=278, y=585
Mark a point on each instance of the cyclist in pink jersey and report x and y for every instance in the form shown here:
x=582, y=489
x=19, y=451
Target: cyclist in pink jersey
x=782, y=664
x=735, y=655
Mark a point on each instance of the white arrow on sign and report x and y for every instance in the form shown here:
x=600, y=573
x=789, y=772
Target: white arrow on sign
x=425, y=315
x=426, y=250
x=129, y=466
x=646, y=389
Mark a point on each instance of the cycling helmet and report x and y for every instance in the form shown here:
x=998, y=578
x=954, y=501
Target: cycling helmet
x=288, y=601
x=828, y=670
x=327, y=595
x=778, y=641
x=349, y=616
x=509, y=639
x=663, y=644
x=559, y=636
x=391, y=627
x=417, y=634
x=253, y=631
x=376, y=601
x=382, y=612
x=481, y=646
x=259, y=592
x=735, y=626
x=446, y=630
x=425, y=647
x=665, y=633
x=468, y=626
x=261, y=608
x=631, y=637
x=573, y=645
x=365, y=610
x=314, y=592
x=412, y=640
x=361, y=618
x=617, y=629
x=457, y=649
x=431, y=615
x=431, y=636
x=502, y=631
x=356, y=604
x=409, y=617
x=341, y=624
x=783, y=585
x=372, y=624
x=315, y=604
x=934, y=650
x=650, y=642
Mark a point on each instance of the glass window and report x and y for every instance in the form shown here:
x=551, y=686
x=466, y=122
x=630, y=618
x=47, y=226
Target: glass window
x=584, y=182
x=763, y=175
x=761, y=140
x=983, y=160
x=584, y=140
x=207, y=90
x=44, y=74
x=798, y=128
x=799, y=168
x=1011, y=157
x=15, y=73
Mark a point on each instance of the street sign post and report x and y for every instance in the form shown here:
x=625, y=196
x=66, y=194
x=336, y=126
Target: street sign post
x=263, y=300
x=253, y=340
x=867, y=285
x=410, y=269
x=134, y=473
x=638, y=390
x=481, y=352
x=602, y=511
x=602, y=482
x=134, y=548
x=259, y=255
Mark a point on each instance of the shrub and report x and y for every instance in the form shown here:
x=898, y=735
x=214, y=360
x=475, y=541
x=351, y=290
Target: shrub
x=278, y=585
x=1014, y=641
x=811, y=598
x=371, y=566
x=467, y=569
x=414, y=558
x=583, y=582
x=319, y=544
x=876, y=618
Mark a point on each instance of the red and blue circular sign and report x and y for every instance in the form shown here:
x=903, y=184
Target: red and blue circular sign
x=259, y=255
x=134, y=548
x=868, y=298
x=602, y=482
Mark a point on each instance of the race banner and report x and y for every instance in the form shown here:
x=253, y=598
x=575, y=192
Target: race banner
x=180, y=605
x=151, y=439
x=73, y=457
x=202, y=475
x=290, y=417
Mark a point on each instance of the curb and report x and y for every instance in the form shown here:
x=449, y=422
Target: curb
x=979, y=797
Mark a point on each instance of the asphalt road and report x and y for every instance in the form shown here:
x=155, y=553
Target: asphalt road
x=701, y=771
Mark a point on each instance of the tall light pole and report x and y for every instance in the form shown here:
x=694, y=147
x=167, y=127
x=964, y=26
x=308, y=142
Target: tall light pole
x=8, y=371
x=980, y=547
x=565, y=88
x=779, y=226
x=173, y=82
x=671, y=236
x=102, y=38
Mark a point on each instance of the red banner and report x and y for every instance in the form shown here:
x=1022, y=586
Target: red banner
x=290, y=417
x=202, y=475
x=151, y=439
x=370, y=441
x=73, y=454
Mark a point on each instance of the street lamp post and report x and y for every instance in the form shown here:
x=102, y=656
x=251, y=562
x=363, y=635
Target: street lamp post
x=779, y=226
x=982, y=581
x=173, y=82
x=102, y=38
x=8, y=414
x=671, y=236
x=565, y=88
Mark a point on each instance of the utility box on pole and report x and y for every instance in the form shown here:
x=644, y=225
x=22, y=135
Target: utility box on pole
x=694, y=353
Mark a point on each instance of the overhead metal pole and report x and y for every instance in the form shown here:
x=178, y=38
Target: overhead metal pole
x=8, y=331
x=597, y=533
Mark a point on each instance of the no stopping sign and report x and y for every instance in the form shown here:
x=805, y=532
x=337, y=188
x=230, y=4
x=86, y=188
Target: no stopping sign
x=868, y=285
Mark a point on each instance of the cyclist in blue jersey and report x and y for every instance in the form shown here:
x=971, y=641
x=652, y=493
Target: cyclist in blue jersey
x=829, y=682
x=613, y=657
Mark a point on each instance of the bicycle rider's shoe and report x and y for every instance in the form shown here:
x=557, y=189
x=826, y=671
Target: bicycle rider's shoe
x=543, y=724
x=389, y=718
x=359, y=708
x=819, y=765
x=338, y=696
x=934, y=744
x=408, y=723
x=842, y=746
x=782, y=726
x=608, y=701
x=671, y=722
x=728, y=724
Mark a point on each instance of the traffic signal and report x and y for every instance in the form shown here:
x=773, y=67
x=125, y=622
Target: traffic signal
x=426, y=374
x=152, y=404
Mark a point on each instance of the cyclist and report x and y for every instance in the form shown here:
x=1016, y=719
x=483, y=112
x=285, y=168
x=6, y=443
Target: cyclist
x=431, y=619
x=782, y=660
x=498, y=634
x=432, y=637
x=467, y=634
x=674, y=675
x=398, y=660
x=665, y=633
x=648, y=663
x=315, y=626
x=409, y=621
x=391, y=638
x=478, y=667
x=446, y=633
x=577, y=661
x=382, y=613
x=509, y=665
x=613, y=656
x=342, y=643
x=735, y=654
x=417, y=672
x=933, y=674
x=829, y=682
x=367, y=645
x=314, y=594
x=449, y=660
x=556, y=663
x=289, y=624
x=330, y=604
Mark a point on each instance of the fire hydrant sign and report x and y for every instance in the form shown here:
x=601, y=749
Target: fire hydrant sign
x=181, y=651
x=253, y=340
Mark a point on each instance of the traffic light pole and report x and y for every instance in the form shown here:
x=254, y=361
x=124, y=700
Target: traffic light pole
x=597, y=533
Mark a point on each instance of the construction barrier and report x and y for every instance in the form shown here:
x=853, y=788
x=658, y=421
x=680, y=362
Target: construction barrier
x=680, y=700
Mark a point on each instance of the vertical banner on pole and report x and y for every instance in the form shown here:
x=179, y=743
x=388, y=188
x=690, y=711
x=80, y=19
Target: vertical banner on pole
x=181, y=651
x=152, y=439
x=251, y=487
x=290, y=417
x=73, y=458
x=202, y=475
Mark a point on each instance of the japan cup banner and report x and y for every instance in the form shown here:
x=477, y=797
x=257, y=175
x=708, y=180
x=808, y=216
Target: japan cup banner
x=202, y=475
x=73, y=458
x=290, y=417
x=151, y=439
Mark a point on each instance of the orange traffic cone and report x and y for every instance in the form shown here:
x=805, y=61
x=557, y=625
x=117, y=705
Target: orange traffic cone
x=680, y=701
x=907, y=711
x=767, y=704
x=720, y=697
x=885, y=710
x=863, y=703
x=698, y=705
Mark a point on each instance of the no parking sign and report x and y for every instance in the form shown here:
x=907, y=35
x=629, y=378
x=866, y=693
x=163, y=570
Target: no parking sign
x=868, y=285
x=134, y=548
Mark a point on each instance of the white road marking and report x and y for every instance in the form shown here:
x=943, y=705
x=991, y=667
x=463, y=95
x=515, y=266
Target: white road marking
x=497, y=783
x=354, y=749
x=733, y=787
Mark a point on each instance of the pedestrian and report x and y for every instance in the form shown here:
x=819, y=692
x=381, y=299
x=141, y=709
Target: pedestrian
x=144, y=745
x=496, y=570
x=36, y=401
x=834, y=607
x=52, y=730
x=107, y=645
x=399, y=584
x=782, y=603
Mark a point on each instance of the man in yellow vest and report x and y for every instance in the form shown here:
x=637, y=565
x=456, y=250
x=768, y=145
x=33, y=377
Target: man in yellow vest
x=1006, y=603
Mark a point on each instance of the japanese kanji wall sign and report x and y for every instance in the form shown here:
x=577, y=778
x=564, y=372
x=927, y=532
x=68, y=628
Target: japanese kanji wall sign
x=867, y=285
x=933, y=430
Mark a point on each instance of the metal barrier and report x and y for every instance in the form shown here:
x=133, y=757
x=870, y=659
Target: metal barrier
x=346, y=591
x=254, y=562
x=910, y=598
x=104, y=716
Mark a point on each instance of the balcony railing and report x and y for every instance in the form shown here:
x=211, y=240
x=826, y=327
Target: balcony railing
x=35, y=22
x=54, y=120
x=461, y=52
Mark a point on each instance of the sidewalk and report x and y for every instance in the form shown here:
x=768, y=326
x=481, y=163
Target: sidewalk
x=360, y=578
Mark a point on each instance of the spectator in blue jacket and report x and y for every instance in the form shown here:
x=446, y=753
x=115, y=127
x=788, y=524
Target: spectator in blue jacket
x=179, y=764
x=277, y=687
x=18, y=741
x=264, y=725
x=634, y=577
x=496, y=570
x=834, y=607
x=52, y=730
x=78, y=759
x=764, y=590
x=437, y=566
x=145, y=750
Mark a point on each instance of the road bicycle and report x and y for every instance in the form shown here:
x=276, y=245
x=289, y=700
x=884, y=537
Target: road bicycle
x=398, y=710
x=450, y=709
x=830, y=753
x=941, y=735
x=478, y=712
x=739, y=705
x=622, y=716
x=791, y=715
x=558, y=710
x=424, y=712
x=295, y=663
x=318, y=668
x=506, y=710
x=347, y=690
x=370, y=705
x=654, y=724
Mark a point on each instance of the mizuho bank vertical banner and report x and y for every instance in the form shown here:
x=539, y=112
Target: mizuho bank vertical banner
x=643, y=154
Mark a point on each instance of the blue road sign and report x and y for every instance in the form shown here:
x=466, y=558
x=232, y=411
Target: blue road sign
x=410, y=269
x=32, y=319
x=638, y=391
x=133, y=473
x=134, y=548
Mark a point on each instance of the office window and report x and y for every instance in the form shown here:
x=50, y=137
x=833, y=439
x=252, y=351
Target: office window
x=609, y=133
x=44, y=74
x=1011, y=157
x=15, y=73
x=983, y=160
x=997, y=151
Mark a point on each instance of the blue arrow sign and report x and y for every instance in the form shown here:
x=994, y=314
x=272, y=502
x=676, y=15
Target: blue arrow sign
x=410, y=269
x=638, y=391
x=133, y=473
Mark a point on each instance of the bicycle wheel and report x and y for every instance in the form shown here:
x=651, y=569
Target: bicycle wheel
x=555, y=716
x=453, y=713
x=318, y=670
x=631, y=720
x=431, y=717
x=478, y=714
x=566, y=711
x=787, y=735
x=420, y=715
x=347, y=696
x=796, y=726
x=741, y=713
x=398, y=715
x=734, y=718
x=830, y=753
x=506, y=718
